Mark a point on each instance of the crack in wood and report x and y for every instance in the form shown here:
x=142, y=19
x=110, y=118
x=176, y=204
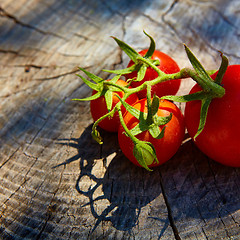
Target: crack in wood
x=57, y=76
x=225, y=227
x=207, y=43
x=225, y=19
x=222, y=198
x=19, y=91
x=51, y=207
x=12, y=52
x=86, y=38
x=45, y=123
x=24, y=207
x=27, y=67
x=21, y=184
x=172, y=6
x=170, y=214
x=119, y=61
x=17, y=21
x=110, y=9
x=9, y=158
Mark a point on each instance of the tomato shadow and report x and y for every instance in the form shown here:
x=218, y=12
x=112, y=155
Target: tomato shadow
x=198, y=187
x=116, y=189
x=125, y=187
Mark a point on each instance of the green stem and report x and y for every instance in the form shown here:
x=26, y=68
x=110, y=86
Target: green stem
x=208, y=86
x=149, y=97
x=128, y=132
x=149, y=103
x=151, y=64
x=122, y=88
x=103, y=117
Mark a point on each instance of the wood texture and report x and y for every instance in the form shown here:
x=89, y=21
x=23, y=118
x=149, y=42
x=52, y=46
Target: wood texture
x=56, y=182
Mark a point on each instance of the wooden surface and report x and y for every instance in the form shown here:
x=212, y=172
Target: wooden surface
x=56, y=182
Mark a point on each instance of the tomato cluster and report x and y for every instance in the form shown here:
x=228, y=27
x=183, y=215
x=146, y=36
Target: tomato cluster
x=166, y=146
x=150, y=127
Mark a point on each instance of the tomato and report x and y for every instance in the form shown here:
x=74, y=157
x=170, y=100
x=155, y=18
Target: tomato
x=220, y=138
x=167, y=65
x=165, y=147
x=99, y=108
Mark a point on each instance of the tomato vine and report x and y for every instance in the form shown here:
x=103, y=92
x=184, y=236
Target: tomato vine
x=150, y=121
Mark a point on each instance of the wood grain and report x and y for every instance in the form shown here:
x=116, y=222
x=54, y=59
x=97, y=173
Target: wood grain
x=56, y=182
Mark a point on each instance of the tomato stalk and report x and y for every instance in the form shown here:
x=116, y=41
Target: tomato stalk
x=95, y=133
x=203, y=79
x=210, y=91
x=200, y=75
x=213, y=88
x=144, y=151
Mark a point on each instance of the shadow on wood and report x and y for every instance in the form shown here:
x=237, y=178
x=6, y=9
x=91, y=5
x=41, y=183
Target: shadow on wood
x=124, y=188
x=197, y=189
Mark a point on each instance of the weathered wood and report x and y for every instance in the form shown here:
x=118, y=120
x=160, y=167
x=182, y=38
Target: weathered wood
x=56, y=182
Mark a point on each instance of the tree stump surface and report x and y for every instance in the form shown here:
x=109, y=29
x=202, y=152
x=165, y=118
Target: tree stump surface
x=56, y=181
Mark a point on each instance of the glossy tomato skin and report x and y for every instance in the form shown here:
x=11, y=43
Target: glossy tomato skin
x=165, y=147
x=99, y=108
x=220, y=138
x=167, y=65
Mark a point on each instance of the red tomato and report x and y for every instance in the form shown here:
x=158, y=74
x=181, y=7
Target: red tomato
x=165, y=147
x=167, y=65
x=99, y=108
x=220, y=138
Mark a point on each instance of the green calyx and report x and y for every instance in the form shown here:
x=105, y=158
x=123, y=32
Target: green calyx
x=102, y=88
x=210, y=89
x=148, y=121
x=145, y=154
